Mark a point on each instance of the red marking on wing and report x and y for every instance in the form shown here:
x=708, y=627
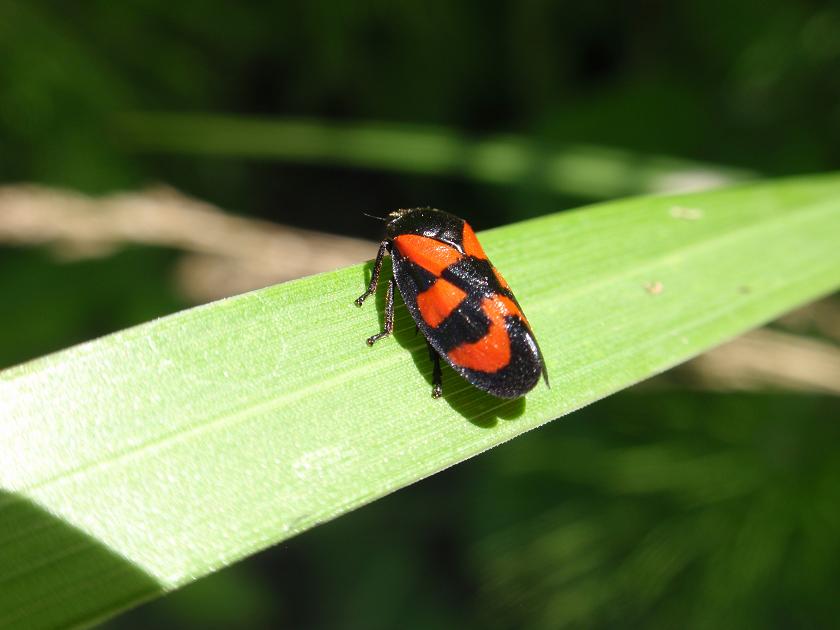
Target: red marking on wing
x=510, y=307
x=501, y=280
x=491, y=353
x=438, y=301
x=514, y=309
x=427, y=252
x=470, y=243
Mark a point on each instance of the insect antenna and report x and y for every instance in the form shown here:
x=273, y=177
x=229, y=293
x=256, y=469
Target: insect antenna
x=373, y=216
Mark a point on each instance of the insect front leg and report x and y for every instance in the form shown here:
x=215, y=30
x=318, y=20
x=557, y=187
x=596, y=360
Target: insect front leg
x=389, y=315
x=437, y=375
x=374, y=276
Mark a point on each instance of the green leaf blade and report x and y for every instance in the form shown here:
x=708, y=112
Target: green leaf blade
x=192, y=441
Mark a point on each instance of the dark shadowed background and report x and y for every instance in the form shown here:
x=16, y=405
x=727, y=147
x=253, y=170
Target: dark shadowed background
x=148, y=148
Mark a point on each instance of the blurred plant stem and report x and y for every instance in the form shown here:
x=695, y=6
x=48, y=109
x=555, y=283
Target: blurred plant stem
x=227, y=255
x=587, y=171
x=763, y=359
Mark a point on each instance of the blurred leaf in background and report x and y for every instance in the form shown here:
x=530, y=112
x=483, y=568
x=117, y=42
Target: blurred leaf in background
x=656, y=508
x=752, y=84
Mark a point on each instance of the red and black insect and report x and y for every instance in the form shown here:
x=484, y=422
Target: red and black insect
x=460, y=303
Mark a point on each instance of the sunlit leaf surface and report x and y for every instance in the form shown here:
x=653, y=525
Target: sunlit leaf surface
x=140, y=461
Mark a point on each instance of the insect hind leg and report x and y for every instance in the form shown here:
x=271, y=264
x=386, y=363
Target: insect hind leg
x=374, y=276
x=389, y=315
x=437, y=375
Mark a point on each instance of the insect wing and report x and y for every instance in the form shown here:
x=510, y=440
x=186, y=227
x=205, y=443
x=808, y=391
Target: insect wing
x=466, y=311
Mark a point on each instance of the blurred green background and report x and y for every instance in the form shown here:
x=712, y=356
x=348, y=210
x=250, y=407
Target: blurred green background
x=675, y=504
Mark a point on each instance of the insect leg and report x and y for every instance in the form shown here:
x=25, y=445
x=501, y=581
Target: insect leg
x=374, y=276
x=437, y=376
x=389, y=315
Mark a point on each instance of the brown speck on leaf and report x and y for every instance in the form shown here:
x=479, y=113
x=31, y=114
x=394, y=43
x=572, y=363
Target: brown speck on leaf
x=744, y=289
x=686, y=214
x=654, y=288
